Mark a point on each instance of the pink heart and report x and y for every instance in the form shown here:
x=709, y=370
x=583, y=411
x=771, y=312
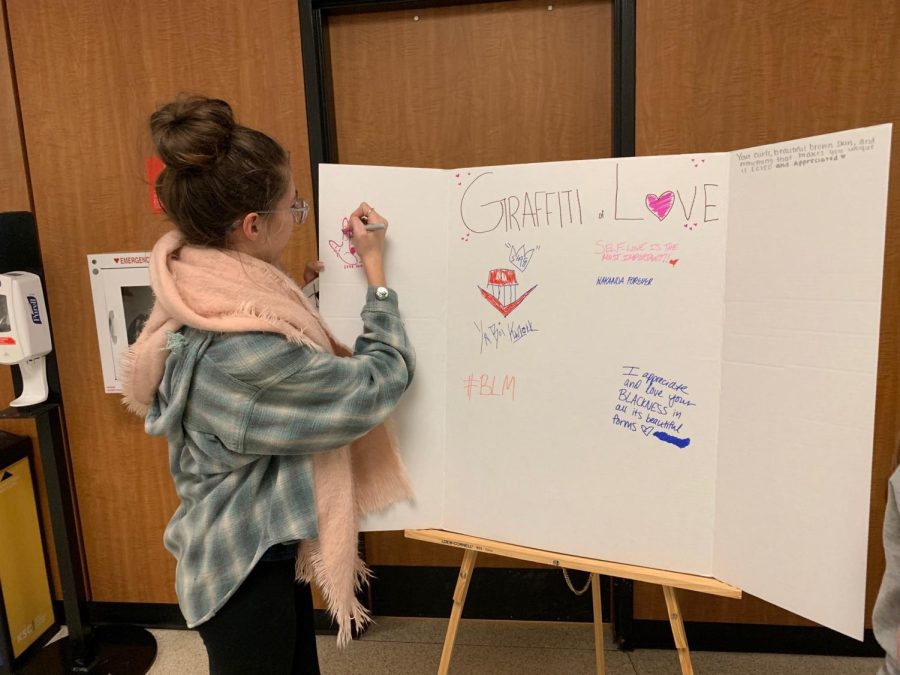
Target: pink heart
x=660, y=206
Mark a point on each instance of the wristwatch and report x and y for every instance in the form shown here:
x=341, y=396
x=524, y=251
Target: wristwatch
x=381, y=293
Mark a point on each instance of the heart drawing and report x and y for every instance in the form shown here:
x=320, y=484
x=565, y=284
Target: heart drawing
x=660, y=206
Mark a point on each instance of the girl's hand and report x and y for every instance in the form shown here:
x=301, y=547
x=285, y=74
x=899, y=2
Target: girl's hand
x=369, y=243
x=312, y=270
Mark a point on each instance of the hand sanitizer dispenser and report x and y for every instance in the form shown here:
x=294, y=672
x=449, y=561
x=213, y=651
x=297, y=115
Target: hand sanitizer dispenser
x=24, y=333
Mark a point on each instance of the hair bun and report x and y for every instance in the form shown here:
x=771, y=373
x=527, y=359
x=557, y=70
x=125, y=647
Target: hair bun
x=192, y=132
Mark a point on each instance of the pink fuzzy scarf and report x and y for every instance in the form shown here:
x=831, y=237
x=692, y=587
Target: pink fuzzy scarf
x=223, y=291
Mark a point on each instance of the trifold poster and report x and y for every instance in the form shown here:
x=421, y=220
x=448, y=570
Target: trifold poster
x=663, y=361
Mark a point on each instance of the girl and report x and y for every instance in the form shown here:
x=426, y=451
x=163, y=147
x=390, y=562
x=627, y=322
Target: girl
x=276, y=432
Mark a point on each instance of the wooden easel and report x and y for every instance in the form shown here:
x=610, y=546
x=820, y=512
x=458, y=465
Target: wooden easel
x=668, y=580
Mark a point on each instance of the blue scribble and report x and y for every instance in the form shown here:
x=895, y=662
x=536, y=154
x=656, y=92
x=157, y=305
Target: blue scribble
x=674, y=440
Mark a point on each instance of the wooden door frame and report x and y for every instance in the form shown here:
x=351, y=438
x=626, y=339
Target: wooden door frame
x=318, y=82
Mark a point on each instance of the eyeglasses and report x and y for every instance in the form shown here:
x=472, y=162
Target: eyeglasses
x=299, y=210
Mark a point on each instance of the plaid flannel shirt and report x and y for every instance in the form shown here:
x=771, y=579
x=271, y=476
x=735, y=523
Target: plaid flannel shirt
x=243, y=413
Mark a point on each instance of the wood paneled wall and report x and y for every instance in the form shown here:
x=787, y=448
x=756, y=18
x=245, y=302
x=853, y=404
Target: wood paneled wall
x=716, y=76
x=476, y=85
x=89, y=74
x=13, y=176
x=14, y=196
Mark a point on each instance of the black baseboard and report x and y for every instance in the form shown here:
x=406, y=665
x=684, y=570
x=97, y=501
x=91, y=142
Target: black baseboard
x=146, y=614
x=160, y=615
x=740, y=637
x=524, y=594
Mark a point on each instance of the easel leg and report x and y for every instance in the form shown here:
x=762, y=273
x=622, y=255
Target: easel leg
x=459, y=599
x=684, y=655
x=598, y=624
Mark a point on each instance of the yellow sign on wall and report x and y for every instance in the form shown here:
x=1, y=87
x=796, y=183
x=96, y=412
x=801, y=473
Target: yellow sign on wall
x=27, y=604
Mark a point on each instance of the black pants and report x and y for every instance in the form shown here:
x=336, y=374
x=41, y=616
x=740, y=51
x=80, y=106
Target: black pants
x=267, y=626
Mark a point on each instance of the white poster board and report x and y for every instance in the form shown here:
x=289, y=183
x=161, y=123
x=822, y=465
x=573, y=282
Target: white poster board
x=662, y=361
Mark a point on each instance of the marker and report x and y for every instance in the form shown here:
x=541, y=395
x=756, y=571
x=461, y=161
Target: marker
x=370, y=227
